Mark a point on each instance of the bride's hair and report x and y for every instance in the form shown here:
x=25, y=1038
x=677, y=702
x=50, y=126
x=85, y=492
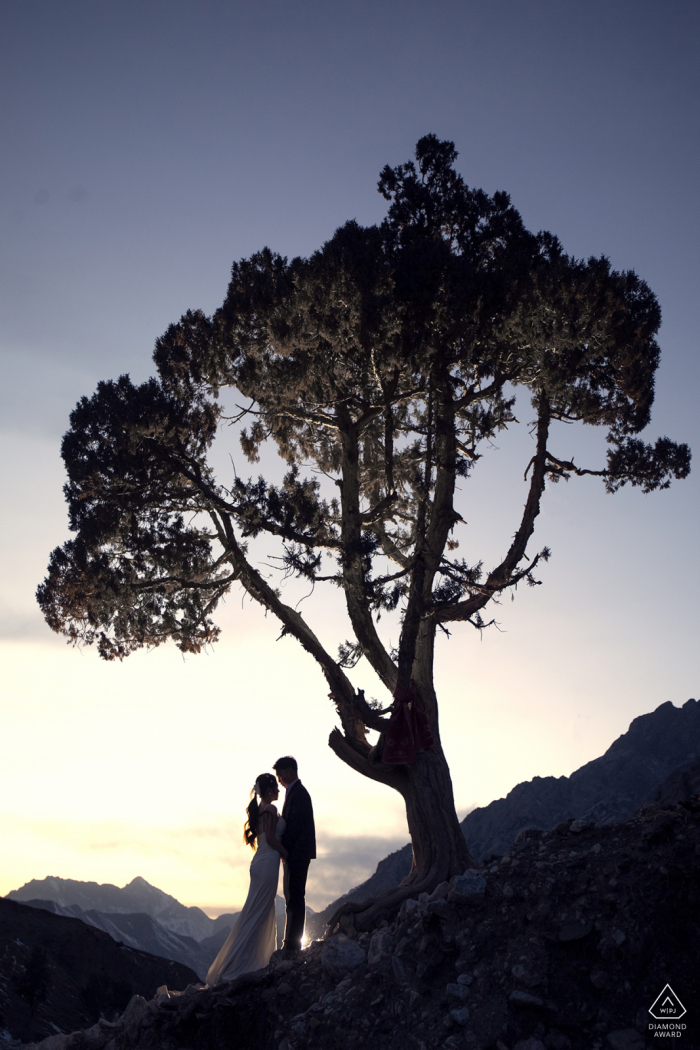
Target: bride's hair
x=250, y=829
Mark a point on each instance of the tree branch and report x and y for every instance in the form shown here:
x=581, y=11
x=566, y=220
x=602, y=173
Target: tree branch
x=354, y=570
x=502, y=576
x=293, y=623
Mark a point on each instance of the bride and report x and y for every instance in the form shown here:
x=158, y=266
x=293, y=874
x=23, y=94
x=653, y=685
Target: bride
x=253, y=939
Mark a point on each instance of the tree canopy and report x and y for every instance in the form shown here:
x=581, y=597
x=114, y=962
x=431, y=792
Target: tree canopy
x=384, y=361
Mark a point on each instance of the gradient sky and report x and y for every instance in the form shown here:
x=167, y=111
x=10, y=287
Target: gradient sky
x=149, y=144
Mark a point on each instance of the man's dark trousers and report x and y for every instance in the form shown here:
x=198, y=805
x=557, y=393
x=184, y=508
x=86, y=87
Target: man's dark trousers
x=299, y=839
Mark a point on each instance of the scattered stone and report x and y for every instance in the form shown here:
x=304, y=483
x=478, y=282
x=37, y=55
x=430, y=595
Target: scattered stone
x=467, y=889
x=460, y=1015
x=399, y=971
x=440, y=892
x=409, y=909
x=379, y=948
x=457, y=991
x=439, y=907
x=340, y=955
x=556, y=1040
x=575, y=931
x=625, y=1039
x=519, y=998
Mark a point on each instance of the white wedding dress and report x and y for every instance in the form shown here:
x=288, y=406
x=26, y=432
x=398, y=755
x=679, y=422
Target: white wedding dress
x=254, y=937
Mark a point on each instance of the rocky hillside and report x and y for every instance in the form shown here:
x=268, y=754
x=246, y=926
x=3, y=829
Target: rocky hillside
x=563, y=943
x=655, y=747
x=609, y=788
x=57, y=974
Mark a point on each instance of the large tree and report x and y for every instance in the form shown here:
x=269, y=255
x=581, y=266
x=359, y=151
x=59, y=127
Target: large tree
x=384, y=361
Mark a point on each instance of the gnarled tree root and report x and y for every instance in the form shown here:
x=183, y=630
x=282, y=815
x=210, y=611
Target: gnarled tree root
x=364, y=915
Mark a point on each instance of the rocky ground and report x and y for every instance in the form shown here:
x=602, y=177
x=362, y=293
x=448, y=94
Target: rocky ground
x=563, y=943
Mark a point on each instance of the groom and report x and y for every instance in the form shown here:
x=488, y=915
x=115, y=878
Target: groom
x=299, y=839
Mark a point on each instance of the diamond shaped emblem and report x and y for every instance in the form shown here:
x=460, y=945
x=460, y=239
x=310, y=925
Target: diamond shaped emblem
x=667, y=1006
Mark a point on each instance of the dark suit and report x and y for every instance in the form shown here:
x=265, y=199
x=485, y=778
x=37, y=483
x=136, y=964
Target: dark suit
x=299, y=839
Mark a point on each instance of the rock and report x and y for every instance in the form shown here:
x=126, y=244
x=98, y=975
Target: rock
x=466, y=889
x=625, y=1039
x=556, y=1040
x=283, y=967
x=465, y=979
x=461, y=1015
x=440, y=892
x=135, y=1008
x=96, y=1037
x=379, y=948
x=341, y=955
x=399, y=971
x=575, y=931
x=524, y=999
x=599, y=979
x=52, y=1042
x=457, y=991
x=533, y=1043
x=409, y=909
x=440, y=908
x=577, y=826
x=283, y=988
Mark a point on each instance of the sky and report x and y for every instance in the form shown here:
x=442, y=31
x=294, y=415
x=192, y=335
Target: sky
x=148, y=145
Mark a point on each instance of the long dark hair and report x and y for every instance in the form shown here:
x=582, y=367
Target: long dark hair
x=250, y=829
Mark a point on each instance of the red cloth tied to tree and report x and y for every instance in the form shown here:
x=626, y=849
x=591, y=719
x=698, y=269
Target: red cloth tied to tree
x=408, y=732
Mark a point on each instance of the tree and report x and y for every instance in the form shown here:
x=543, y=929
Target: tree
x=385, y=360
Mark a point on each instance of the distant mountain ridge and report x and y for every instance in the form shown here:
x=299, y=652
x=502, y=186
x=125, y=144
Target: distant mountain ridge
x=138, y=896
x=141, y=931
x=140, y=916
x=610, y=788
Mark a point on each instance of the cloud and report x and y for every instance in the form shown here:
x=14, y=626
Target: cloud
x=345, y=861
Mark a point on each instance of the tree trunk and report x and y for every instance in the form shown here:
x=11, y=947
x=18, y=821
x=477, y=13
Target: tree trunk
x=439, y=849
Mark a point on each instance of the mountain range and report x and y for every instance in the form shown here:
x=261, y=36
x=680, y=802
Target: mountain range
x=140, y=916
x=654, y=756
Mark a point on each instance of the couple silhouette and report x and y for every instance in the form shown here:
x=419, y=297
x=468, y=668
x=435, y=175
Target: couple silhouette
x=290, y=837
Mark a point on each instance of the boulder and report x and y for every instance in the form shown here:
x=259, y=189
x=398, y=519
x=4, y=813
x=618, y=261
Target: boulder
x=467, y=889
x=379, y=948
x=440, y=892
x=409, y=909
x=341, y=955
